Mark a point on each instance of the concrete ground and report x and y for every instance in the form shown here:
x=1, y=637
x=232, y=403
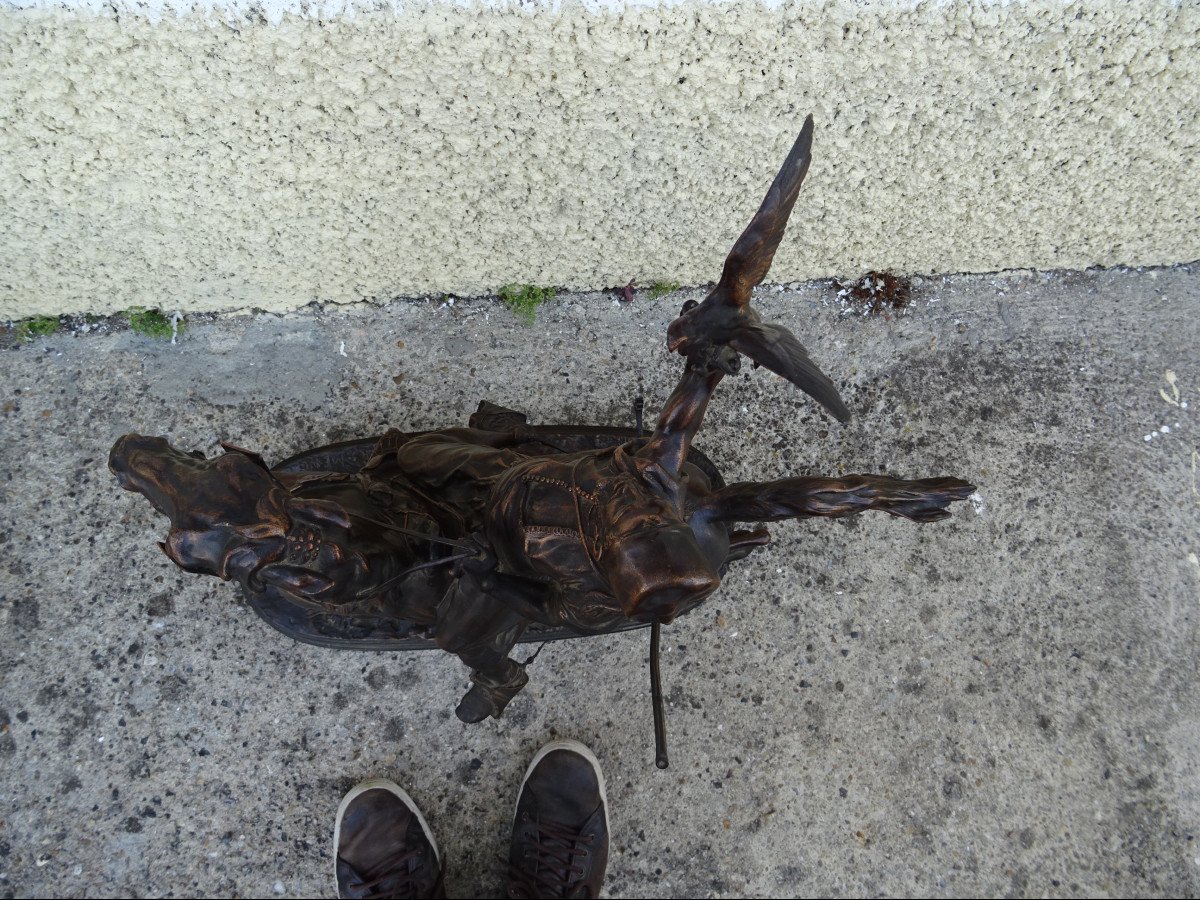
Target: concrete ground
x=1003, y=703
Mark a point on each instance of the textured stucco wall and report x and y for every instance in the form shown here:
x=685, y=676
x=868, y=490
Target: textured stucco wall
x=253, y=157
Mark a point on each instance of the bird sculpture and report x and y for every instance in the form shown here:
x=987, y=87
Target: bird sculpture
x=725, y=316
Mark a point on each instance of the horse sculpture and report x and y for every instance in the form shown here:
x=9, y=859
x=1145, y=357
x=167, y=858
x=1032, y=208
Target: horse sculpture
x=472, y=539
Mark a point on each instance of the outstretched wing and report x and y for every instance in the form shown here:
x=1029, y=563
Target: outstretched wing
x=923, y=500
x=751, y=256
x=776, y=348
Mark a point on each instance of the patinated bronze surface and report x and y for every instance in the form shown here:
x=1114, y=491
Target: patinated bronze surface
x=472, y=539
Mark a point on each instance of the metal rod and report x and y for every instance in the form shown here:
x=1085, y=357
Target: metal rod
x=660, y=717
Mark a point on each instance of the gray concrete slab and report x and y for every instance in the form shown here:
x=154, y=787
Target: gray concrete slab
x=1000, y=704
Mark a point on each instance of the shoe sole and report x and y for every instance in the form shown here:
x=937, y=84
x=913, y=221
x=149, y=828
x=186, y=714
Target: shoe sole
x=374, y=784
x=573, y=747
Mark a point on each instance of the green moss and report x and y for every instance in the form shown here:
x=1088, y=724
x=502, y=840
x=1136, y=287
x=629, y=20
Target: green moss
x=662, y=288
x=152, y=323
x=38, y=326
x=524, y=300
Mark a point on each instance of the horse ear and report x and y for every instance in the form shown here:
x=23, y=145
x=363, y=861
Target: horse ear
x=295, y=579
x=318, y=511
x=198, y=552
x=234, y=448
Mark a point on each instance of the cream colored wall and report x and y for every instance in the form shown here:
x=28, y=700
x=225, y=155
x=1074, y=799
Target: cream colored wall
x=195, y=164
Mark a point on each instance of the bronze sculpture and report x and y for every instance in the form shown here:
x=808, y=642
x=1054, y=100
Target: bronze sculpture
x=471, y=539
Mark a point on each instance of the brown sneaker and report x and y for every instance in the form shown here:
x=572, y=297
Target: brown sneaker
x=384, y=847
x=560, y=829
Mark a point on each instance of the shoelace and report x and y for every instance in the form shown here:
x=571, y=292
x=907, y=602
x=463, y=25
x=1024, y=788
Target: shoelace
x=549, y=864
x=399, y=879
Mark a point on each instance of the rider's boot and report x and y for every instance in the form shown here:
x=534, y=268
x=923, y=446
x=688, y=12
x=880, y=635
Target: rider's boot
x=491, y=691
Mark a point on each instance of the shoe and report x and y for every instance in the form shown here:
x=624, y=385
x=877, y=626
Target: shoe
x=384, y=847
x=560, y=828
